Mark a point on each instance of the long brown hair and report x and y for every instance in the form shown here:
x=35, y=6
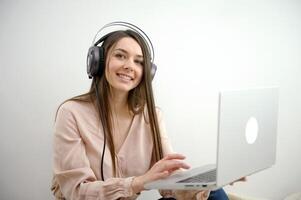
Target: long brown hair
x=139, y=99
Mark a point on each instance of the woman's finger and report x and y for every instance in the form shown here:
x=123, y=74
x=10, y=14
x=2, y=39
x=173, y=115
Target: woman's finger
x=174, y=156
x=171, y=165
x=243, y=179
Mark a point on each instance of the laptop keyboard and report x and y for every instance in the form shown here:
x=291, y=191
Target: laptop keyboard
x=209, y=176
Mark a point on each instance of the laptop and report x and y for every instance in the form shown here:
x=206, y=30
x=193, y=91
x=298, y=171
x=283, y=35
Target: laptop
x=246, y=142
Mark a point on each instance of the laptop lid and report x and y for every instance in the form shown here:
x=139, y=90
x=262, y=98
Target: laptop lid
x=246, y=132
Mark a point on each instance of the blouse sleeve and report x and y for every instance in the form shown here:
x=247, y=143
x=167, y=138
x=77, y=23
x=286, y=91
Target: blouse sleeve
x=72, y=170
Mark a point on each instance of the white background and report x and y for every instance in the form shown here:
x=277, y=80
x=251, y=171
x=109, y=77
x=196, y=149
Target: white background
x=201, y=47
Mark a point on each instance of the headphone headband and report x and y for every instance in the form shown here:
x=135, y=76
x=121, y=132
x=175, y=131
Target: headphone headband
x=130, y=26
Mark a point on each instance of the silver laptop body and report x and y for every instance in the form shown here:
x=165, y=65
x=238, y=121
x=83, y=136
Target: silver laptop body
x=247, y=127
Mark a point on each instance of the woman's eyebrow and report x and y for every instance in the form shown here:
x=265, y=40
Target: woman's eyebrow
x=119, y=49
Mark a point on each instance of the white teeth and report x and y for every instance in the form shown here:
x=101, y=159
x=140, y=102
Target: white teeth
x=123, y=76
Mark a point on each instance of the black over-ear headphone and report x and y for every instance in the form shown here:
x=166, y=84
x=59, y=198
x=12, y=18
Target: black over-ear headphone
x=96, y=54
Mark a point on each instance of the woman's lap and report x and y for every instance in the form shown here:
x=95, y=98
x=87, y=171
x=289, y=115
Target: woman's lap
x=219, y=194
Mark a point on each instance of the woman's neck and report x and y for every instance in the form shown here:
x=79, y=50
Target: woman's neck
x=119, y=103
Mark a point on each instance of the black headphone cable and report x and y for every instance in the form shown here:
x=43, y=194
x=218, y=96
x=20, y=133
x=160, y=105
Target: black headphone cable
x=104, y=132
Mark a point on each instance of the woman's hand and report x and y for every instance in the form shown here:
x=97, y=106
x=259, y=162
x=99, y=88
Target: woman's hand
x=161, y=169
x=243, y=179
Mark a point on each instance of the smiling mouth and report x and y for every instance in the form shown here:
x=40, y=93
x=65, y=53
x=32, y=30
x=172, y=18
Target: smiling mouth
x=125, y=77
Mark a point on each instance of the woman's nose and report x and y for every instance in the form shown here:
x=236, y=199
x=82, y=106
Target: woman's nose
x=128, y=64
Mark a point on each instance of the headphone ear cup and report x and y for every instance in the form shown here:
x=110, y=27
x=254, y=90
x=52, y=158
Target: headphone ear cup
x=95, y=61
x=153, y=70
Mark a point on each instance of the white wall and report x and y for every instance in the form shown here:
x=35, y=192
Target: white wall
x=200, y=46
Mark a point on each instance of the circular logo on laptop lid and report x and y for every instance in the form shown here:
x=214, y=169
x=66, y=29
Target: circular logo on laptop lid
x=251, y=130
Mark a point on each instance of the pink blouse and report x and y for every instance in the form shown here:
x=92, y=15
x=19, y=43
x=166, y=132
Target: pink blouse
x=78, y=143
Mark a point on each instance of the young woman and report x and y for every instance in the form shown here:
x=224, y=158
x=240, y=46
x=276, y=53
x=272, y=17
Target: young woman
x=110, y=141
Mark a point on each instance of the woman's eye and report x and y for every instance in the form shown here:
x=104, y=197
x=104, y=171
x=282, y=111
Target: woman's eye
x=120, y=56
x=140, y=62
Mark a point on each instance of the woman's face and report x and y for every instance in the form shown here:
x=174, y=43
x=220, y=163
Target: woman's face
x=124, y=66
